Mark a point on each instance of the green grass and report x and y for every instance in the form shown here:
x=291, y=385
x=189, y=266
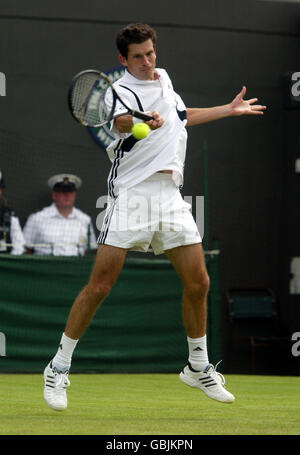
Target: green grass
x=150, y=404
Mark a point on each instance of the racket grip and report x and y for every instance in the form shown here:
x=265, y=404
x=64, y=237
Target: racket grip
x=142, y=115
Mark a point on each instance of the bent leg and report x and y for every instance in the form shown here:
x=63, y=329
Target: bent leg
x=108, y=265
x=189, y=263
x=199, y=373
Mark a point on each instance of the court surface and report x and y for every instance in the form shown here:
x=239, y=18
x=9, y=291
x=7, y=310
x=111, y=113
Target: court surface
x=150, y=404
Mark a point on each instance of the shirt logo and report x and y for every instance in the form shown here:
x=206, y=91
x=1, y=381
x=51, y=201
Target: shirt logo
x=102, y=134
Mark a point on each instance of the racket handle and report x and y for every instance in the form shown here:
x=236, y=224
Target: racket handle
x=141, y=115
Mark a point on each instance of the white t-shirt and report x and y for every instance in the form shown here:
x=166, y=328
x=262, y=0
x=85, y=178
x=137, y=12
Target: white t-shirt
x=48, y=232
x=163, y=149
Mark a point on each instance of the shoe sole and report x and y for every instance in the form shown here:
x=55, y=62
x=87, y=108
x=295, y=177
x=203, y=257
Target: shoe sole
x=192, y=383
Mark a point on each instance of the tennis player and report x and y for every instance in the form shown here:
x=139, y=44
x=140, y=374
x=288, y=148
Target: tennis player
x=143, y=170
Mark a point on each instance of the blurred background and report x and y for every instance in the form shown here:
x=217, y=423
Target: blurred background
x=210, y=50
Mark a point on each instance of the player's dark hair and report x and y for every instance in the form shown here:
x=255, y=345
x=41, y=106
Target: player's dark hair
x=134, y=34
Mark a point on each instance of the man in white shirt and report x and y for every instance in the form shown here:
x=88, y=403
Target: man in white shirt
x=11, y=236
x=60, y=229
x=152, y=166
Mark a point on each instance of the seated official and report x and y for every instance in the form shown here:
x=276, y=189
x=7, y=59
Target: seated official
x=11, y=236
x=60, y=229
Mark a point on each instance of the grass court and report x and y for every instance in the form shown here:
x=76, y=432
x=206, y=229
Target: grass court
x=150, y=404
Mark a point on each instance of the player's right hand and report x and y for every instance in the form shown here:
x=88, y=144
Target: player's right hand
x=157, y=122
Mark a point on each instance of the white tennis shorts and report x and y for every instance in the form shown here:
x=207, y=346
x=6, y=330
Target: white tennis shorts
x=152, y=212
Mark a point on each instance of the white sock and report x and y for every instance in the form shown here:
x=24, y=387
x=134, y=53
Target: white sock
x=198, y=356
x=63, y=357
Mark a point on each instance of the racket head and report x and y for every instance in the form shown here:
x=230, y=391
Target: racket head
x=91, y=98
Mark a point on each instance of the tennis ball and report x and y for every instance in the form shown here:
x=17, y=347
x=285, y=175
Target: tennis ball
x=140, y=130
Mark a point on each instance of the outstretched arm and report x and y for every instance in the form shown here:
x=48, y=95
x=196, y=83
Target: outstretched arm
x=237, y=107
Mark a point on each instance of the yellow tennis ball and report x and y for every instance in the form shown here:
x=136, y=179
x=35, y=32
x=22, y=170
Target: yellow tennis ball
x=140, y=130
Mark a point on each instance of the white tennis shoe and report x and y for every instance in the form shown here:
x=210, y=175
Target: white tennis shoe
x=209, y=381
x=55, y=388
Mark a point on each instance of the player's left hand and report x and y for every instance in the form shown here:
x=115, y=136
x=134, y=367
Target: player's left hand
x=240, y=106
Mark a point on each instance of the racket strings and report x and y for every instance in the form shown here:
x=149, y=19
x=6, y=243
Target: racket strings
x=90, y=99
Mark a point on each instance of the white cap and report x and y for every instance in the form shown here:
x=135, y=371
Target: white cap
x=65, y=182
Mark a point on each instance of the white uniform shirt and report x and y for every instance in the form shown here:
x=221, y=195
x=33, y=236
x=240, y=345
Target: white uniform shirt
x=16, y=236
x=164, y=148
x=48, y=232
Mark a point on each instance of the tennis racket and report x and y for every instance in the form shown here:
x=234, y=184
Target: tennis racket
x=93, y=100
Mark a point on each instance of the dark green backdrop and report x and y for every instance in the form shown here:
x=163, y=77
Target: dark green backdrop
x=138, y=328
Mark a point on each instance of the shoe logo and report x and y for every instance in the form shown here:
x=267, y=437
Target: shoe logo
x=60, y=346
x=207, y=381
x=198, y=349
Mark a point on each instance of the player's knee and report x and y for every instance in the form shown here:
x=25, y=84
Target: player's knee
x=204, y=282
x=97, y=292
x=199, y=287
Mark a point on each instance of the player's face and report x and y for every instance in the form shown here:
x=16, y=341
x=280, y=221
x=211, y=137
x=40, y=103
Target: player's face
x=64, y=199
x=141, y=60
